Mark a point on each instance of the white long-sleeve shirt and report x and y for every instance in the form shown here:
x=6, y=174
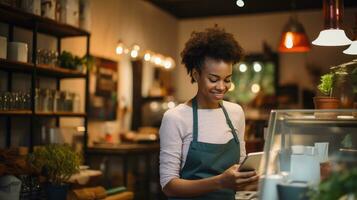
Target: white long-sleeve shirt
x=176, y=134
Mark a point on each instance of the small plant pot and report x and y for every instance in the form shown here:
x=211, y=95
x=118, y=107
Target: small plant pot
x=56, y=192
x=326, y=103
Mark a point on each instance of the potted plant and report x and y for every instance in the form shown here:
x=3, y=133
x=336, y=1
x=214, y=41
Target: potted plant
x=340, y=185
x=57, y=163
x=326, y=101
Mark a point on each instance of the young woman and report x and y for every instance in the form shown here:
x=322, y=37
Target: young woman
x=202, y=140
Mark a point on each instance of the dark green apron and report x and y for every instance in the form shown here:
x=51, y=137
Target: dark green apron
x=206, y=160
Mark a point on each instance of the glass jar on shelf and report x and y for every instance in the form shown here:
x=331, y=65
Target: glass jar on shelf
x=62, y=106
x=38, y=100
x=76, y=103
x=47, y=100
x=5, y=101
x=26, y=98
x=16, y=101
x=68, y=102
x=57, y=103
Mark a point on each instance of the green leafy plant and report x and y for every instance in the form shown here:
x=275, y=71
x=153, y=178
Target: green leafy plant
x=69, y=61
x=326, y=84
x=336, y=186
x=56, y=162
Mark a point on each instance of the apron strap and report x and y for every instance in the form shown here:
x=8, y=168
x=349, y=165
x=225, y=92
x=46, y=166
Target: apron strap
x=229, y=122
x=195, y=121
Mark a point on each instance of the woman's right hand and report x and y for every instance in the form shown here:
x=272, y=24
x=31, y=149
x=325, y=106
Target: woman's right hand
x=235, y=180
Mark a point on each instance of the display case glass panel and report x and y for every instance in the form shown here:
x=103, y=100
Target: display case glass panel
x=303, y=147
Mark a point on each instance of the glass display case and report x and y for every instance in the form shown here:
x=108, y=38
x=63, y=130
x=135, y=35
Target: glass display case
x=303, y=148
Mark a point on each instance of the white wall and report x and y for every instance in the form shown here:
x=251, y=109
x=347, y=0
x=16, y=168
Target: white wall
x=133, y=21
x=252, y=30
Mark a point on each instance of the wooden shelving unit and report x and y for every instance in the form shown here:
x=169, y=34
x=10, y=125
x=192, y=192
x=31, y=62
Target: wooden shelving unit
x=42, y=70
x=18, y=17
x=15, y=17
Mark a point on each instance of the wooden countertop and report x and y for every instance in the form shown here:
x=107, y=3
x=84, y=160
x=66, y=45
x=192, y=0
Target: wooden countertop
x=125, y=148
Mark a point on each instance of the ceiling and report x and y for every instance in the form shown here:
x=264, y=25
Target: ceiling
x=183, y=9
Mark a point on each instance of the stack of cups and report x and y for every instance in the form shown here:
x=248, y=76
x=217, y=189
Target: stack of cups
x=17, y=51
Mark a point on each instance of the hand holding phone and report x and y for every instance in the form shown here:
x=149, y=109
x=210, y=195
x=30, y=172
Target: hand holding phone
x=251, y=162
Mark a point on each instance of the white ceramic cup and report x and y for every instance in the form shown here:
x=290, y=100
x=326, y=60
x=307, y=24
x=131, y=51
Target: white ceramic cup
x=322, y=149
x=3, y=47
x=17, y=51
x=268, y=187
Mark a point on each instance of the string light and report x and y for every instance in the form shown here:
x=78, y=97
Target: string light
x=135, y=51
x=243, y=67
x=257, y=67
x=120, y=48
x=255, y=88
x=149, y=56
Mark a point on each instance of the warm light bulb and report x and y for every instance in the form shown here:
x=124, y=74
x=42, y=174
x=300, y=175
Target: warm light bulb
x=171, y=104
x=147, y=56
x=257, y=67
x=167, y=65
x=240, y=3
x=255, y=88
x=154, y=106
x=289, y=40
x=157, y=60
x=119, y=50
x=136, y=47
x=134, y=53
x=243, y=67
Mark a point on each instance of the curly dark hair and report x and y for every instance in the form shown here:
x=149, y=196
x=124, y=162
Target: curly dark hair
x=214, y=43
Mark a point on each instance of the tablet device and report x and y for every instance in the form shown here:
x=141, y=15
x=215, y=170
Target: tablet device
x=251, y=162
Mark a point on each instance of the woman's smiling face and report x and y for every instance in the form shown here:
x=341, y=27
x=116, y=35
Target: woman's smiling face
x=213, y=81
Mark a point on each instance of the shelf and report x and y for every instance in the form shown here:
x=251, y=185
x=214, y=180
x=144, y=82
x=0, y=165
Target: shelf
x=344, y=121
x=44, y=70
x=15, y=113
x=123, y=149
x=48, y=26
x=60, y=114
x=41, y=114
x=14, y=66
x=59, y=72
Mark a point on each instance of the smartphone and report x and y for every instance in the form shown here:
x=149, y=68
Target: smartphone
x=251, y=162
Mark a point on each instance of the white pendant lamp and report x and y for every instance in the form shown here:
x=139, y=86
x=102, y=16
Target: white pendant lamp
x=352, y=49
x=332, y=35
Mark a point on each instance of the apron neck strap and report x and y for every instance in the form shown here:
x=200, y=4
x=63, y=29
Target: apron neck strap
x=195, y=120
x=229, y=122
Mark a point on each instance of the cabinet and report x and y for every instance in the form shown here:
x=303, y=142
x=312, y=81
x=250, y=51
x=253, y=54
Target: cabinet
x=15, y=17
x=305, y=146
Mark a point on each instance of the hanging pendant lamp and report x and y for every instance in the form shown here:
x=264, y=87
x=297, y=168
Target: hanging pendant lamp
x=294, y=38
x=352, y=49
x=332, y=35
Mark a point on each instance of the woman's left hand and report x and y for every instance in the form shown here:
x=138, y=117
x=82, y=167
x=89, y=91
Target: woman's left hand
x=252, y=186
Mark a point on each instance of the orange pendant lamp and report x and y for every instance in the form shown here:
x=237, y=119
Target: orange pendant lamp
x=294, y=38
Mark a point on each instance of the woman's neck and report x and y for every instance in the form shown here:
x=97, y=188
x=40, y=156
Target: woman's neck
x=204, y=103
